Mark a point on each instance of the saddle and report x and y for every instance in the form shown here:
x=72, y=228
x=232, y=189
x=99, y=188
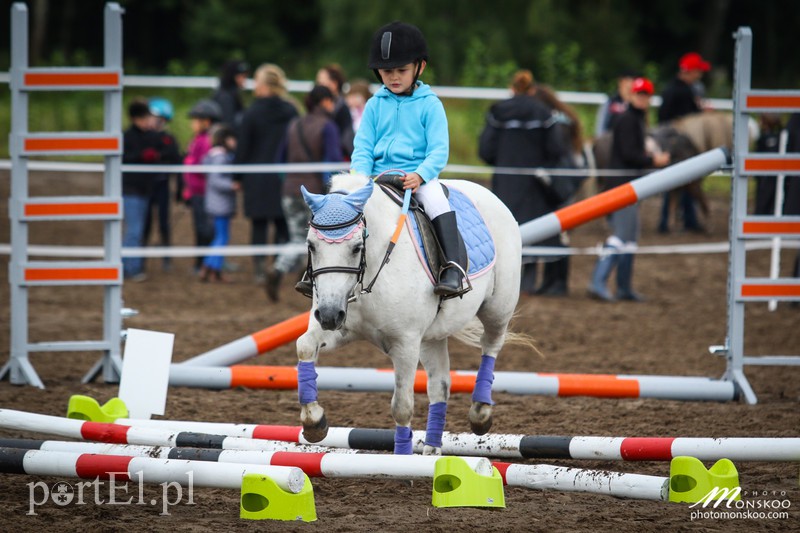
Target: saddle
x=392, y=186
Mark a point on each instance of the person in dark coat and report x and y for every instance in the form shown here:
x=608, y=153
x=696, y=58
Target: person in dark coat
x=261, y=133
x=770, y=128
x=680, y=98
x=791, y=202
x=228, y=95
x=141, y=145
x=627, y=152
x=516, y=135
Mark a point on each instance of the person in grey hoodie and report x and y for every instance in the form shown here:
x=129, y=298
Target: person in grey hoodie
x=220, y=197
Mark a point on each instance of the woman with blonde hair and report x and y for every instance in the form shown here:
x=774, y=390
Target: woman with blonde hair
x=261, y=133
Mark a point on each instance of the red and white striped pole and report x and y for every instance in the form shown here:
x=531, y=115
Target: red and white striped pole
x=319, y=464
x=521, y=446
x=126, y=434
x=627, y=194
x=144, y=469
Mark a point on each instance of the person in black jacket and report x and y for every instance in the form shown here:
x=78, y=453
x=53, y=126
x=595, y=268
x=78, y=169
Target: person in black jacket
x=791, y=201
x=231, y=80
x=162, y=112
x=141, y=145
x=681, y=98
x=627, y=152
x=517, y=134
x=261, y=133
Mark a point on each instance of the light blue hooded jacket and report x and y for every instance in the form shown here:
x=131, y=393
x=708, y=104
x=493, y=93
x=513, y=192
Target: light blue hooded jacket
x=407, y=133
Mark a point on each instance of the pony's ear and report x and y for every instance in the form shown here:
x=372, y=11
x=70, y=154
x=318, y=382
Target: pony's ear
x=314, y=201
x=357, y=199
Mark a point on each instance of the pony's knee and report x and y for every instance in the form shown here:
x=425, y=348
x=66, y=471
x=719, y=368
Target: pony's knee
x=307, y=347
x=402, y=409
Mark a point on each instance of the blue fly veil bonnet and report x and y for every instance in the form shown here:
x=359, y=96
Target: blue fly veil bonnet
x=337, y=216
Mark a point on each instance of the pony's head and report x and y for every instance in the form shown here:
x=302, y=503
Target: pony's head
x=336, y=256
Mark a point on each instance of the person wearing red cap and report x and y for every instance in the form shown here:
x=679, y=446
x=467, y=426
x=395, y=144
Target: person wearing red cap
x=627, y=152
x=681, y=98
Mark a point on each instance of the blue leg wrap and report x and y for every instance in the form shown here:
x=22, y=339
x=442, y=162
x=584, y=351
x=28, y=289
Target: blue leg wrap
x=437, y=412
x=402, y=441
x=306, y=382
x=483, y=381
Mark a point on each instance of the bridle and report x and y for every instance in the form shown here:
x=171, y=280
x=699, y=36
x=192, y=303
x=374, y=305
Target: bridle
x=359, y=271
x=312, y=274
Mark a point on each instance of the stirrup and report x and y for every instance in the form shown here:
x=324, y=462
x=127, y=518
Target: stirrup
x=305, y=286
x=463, y=289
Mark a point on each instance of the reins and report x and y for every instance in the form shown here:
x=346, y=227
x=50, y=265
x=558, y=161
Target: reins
x=362, y=267
x=393, y=241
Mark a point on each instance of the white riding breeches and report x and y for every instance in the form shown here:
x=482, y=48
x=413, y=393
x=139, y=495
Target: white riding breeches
x=432, y=198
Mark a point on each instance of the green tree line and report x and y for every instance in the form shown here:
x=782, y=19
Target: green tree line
x=569, y=44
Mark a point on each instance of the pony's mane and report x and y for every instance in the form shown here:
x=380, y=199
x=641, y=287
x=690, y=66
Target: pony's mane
x=348, y=182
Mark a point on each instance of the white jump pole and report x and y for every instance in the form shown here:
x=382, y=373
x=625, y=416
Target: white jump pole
x=371, y=466
x=617, y=484
x=627, y=194
x=382, y=380
x=254, y=344
x=146, y=469
x=519, y=446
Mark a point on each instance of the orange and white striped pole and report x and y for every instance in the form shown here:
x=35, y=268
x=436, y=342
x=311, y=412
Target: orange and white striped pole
x=526, y=383
x=627, y=194
x=254, y=344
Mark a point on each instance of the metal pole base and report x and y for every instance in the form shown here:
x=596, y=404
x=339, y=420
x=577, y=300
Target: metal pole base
x=110, y=365
x=20, y=371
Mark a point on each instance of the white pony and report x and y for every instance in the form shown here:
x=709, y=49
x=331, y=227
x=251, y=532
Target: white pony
x=401, y=315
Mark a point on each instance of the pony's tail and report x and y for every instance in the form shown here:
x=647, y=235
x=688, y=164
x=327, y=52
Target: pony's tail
x=472, y=332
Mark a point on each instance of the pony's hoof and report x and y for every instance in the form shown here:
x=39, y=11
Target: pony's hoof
x=480, y=418
x=316, y=432
x=430, y=450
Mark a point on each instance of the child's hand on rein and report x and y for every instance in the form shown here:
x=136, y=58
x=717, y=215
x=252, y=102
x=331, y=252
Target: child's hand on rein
x=412, y=181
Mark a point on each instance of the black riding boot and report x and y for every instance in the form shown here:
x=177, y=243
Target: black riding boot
x=454, y=251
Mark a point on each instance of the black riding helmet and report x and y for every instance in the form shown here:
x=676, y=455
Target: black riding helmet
x=397, y=44
x=206, y=108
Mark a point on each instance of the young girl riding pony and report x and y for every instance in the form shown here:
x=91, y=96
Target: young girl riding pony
x=404, y=127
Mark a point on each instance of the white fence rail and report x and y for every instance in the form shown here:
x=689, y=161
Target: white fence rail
x=299, y=86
